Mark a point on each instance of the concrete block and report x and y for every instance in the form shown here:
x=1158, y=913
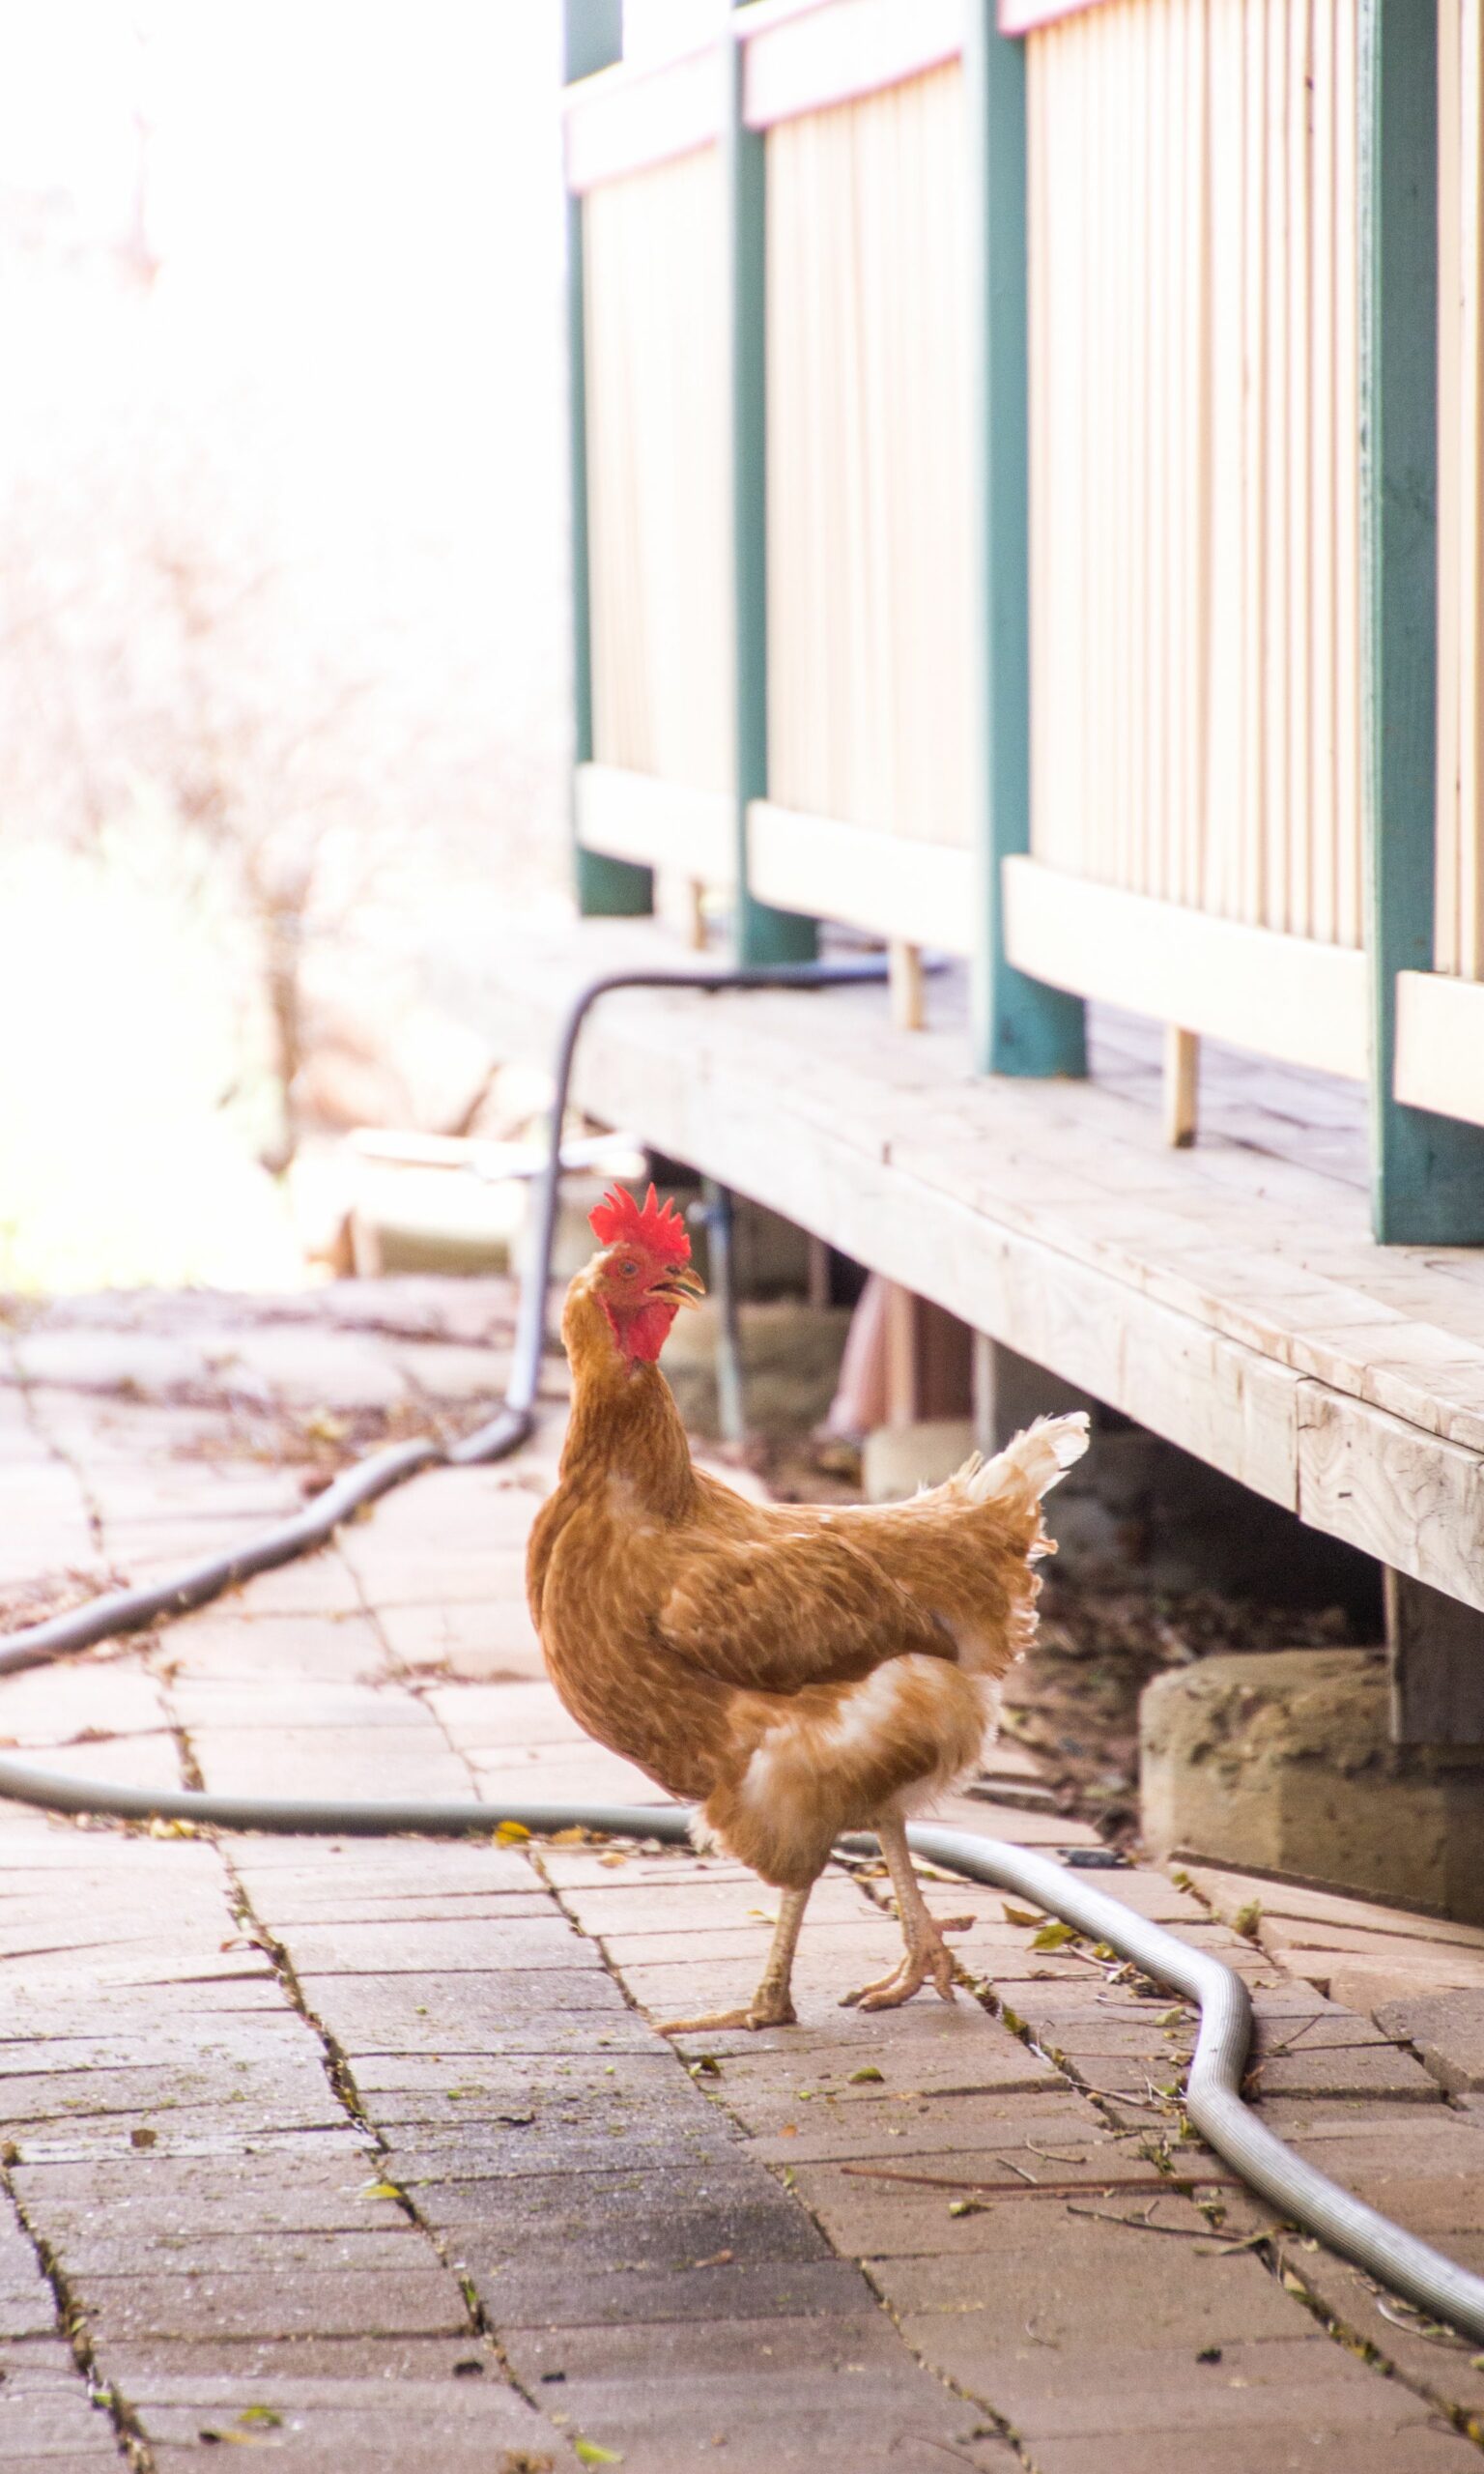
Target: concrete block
x=1283, y=1761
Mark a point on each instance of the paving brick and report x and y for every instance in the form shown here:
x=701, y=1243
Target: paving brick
x=412, y=1761
x=326, y=2302
x=930, y=2129
x=1429, y=2449
x=488, y=1636
x=1447, y=2030
x=536, y=2010
x=870, y=2215
x=312, y=2185
x=575, y=2297
x=191, y=2364
x=1095, y=2284
x=480, y=1946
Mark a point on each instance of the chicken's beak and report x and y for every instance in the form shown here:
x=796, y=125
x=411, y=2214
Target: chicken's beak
x=680, y=1287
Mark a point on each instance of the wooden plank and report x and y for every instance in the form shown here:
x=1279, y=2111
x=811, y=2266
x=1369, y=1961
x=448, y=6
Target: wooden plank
x=1439, y=1044
x=663, y=824
x=809, y=59
x=626, y=118
x=592, y=33
x=1052, y=1217
x=1436, y=1653
x=1022, y=1027
x=1415, y=1502
x=1279, y=995
x=890, y=885
x=1428, y=1170
x=1024, y=17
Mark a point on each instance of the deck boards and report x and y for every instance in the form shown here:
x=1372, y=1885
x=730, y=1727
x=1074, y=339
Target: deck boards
x=1230, y=1296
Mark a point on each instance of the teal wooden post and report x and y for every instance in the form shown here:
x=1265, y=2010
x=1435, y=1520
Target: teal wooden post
x=761, y=934
x=592, y=39
x=1020, y=1025
x=1427, y=1183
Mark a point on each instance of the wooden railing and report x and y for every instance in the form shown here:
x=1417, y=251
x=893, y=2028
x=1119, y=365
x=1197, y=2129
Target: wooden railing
x=1195, y=513
x=643, y=156
x=909, y=347
x=869, y=812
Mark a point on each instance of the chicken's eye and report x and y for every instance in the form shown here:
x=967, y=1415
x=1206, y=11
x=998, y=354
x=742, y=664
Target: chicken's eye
x=627, y=1270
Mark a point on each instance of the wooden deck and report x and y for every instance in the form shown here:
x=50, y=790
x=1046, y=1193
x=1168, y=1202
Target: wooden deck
x=1229, y=1297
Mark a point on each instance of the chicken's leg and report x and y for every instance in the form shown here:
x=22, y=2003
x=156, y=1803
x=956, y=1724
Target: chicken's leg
x=927, y=1954
x=772, y=2005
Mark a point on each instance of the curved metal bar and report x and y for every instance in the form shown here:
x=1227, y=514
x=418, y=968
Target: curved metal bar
x=131, y=1610
x=1213, y=2099
x=1213, y=2102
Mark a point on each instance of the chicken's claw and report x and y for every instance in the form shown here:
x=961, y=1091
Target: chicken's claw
x=756, y=2014
x=923, y=1961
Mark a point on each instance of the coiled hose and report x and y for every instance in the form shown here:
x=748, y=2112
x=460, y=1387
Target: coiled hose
x=1213, y=2102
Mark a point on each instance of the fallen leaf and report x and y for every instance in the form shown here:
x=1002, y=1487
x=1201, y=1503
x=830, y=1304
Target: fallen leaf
x=142, y=2137
x=864, y=2076
x=380, y=2191
x=967, y=2207
x=614, y=1856
x=590, y=2454
x=718, y=2260
x=268, y=2416
x=508, y=1834
x=1053, y=1937
x=1018, y=1915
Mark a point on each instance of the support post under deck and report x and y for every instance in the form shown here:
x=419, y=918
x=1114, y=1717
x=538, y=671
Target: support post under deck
x=1021, y=1026
x=1427, y=1183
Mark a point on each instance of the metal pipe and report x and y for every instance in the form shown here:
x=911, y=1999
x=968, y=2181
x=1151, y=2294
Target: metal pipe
x=1213, y=2100
x=131, y=1610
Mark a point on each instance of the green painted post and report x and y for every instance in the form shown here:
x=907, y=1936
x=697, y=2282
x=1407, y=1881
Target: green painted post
x=761, y=934
x=1427, y=1182
x=1020, y=1025
x=592, y=39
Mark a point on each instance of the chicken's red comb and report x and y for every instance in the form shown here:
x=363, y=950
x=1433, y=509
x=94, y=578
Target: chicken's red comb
x=658, y=1227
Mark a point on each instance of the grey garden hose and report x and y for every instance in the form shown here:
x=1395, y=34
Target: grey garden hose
x=1213, y=2101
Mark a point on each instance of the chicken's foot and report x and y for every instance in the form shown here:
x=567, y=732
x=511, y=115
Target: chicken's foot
x=772, y=2005
x=927, y=1956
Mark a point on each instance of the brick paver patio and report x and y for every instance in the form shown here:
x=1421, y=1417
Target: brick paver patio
x=365, y=2153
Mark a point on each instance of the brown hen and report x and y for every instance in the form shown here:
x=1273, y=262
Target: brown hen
x=796, y=1672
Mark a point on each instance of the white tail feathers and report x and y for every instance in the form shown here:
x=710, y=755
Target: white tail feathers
x=1030, y=1466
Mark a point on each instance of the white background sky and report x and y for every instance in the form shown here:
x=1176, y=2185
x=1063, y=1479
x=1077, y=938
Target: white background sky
x=358, y=213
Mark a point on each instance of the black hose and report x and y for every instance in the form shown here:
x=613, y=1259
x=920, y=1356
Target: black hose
x=1213, y=2100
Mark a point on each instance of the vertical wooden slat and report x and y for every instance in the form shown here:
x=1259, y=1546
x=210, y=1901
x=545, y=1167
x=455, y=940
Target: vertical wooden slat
x=1221, y=786
x=1277, y=717
x=1428, y=1172
x=1324, y=874
x=592, y=36
x=1345, y=461
x=1469, y=830
x=1254, y=666
x=760, y=932
x=1299, y=647
x=1195, y=455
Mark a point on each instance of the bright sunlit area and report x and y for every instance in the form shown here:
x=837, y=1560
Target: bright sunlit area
x=283, y=668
